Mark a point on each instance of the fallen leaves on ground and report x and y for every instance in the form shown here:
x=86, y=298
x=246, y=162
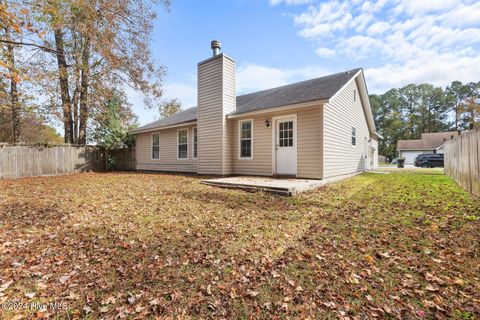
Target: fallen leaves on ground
x=144, y=245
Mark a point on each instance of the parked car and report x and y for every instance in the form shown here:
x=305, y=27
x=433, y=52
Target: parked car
x=429, y=160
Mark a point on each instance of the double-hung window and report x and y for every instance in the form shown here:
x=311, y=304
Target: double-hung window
x=354, y=136
x=182, y=144
x=246, y=139
x=195, y=140
x=155, y=146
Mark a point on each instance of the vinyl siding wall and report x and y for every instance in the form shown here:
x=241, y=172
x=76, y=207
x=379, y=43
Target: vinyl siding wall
x=168, y=152
x=229, y=105
x=216, y=98
x=340, y=115
x=309, y=148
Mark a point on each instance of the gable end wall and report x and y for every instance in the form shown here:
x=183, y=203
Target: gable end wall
x=339, y=116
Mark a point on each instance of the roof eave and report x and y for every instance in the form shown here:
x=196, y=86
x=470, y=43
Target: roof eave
x=183, y=124
x=279, y=109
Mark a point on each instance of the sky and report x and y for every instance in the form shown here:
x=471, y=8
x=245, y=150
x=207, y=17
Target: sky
x=278, y=42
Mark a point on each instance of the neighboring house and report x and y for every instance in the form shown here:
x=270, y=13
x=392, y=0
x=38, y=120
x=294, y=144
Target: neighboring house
x=429, y=143
x=318, y=128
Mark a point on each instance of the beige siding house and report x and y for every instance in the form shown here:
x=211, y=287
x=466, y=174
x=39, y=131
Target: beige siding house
x=317, y=129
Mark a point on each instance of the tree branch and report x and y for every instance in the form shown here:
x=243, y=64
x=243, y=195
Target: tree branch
x=44, y=48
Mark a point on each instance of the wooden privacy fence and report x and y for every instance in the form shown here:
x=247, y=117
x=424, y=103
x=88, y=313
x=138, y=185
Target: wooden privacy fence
x=29, y=161
x=462, y=160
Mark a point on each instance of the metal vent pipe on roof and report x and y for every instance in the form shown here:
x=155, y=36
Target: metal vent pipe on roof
x=216, y=46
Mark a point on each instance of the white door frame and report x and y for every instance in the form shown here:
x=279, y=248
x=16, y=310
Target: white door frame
x=274, y=139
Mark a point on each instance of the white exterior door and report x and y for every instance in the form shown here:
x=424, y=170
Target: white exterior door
x=286, y=146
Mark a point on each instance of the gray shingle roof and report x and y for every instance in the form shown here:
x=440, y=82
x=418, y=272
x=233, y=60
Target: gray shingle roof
x=184, y=116
x=306, y=91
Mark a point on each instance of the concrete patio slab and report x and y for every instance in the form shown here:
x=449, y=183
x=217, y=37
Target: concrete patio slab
x=278, y=186
x=288, y=187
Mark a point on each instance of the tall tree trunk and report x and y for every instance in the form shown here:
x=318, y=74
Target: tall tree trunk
x=75, y=102
x=76, y=92
x=75, y=116
x=64, y=90
x=13, y=89
x=82, y=133
x=429, y=120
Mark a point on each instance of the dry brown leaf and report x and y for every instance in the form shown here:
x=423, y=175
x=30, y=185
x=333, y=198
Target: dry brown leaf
x=5, y=286
x=252, y=294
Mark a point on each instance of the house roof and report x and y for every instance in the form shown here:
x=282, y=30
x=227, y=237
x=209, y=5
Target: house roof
x=322, y=88
x=428, y=142
x=182, y=117
x=306, y=91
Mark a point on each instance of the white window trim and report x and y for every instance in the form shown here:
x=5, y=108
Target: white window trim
x=151, y=146
x=193, y=143
x=351, y=136
x=240, y=139
x=178, y=130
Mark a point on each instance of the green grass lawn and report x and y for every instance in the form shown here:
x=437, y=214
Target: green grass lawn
x=403, y=245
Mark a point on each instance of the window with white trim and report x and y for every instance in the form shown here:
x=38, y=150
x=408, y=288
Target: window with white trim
x=354, y=136
x=182, y=144
x=246, y=139
x=195, y=140
x=155, y=146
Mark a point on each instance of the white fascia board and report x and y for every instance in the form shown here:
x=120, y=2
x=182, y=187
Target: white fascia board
x=184, y=124
x=279, y=109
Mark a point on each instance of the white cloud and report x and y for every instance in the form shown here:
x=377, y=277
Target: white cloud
x=462, y=16
x=439, y=71
x=378, y=28
x=289, y=2
x=398, y=41
x=252, y=77
x=186, y=93
x=421, y=7
x=360, y=47
x=325, y=52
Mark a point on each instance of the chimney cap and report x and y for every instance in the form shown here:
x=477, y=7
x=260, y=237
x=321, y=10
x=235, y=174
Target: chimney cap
x=216, y=46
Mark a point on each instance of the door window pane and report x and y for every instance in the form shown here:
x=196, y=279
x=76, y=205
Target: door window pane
x=285, y=134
